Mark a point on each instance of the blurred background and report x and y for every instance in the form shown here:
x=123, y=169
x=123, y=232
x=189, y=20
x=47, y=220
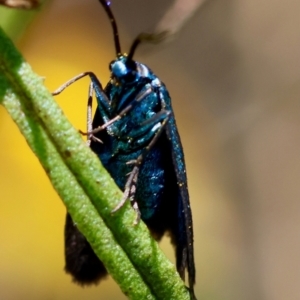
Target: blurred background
x=233, y=72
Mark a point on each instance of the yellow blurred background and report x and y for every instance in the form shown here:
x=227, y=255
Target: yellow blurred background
x=234, y=76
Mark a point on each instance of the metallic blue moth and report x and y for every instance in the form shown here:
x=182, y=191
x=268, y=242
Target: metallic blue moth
x=141, y=149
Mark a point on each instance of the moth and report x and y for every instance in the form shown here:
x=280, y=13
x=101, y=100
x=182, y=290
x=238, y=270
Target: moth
x=135, y=136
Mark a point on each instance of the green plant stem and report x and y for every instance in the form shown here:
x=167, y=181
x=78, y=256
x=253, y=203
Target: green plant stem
x=130, y=254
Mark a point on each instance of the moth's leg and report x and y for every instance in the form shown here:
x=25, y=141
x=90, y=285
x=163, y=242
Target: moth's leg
x=89, y=118
x=129, y=194
x=130, y=186
x=92, y=76
x=97, y=87
x=71, y=81
x=102, y=99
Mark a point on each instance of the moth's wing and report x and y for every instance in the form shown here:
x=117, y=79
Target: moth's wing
x=183, y=233
x=81, y=261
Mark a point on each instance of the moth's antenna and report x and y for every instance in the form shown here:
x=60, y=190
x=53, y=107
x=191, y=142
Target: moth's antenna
x=133, y=47
x=113, y=23
x=146, y=37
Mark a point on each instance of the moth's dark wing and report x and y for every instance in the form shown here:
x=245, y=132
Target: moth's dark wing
x=183, y=233
x=81, y=261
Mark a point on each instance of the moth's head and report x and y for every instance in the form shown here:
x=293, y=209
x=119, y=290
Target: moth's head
x=123, y=69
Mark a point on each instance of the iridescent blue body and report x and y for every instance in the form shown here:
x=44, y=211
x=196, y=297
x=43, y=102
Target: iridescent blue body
x=141, y=149
x=142, y=135
x=126, y=139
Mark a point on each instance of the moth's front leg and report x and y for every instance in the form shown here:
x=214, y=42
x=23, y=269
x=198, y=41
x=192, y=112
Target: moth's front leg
x=102, y=99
